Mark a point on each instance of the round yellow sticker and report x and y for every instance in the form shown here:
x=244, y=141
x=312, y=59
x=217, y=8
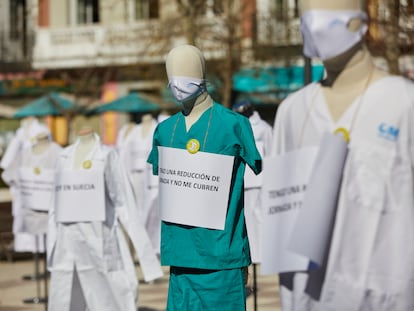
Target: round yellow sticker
x=344, y=132
x=193, y=146
x=87, y=164
x=36, y=170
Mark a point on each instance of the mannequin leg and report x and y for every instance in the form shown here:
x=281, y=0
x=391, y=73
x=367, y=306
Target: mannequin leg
x=97, y=290
x=153, y=224
x=125, y=293
x=206, y=290
x=63, y=288
x=254, y=219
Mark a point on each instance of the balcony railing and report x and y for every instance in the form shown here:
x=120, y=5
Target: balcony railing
x=101, y=45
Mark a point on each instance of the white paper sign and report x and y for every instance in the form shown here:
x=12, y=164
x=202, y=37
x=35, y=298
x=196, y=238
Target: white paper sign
x=251, y=180
x=285, y=178
x=36, y=187
x=194, y=188
x=80, y=196
x=319, y=205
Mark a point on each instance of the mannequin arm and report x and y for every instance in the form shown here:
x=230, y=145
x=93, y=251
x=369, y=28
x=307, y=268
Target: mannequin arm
x=121, y=194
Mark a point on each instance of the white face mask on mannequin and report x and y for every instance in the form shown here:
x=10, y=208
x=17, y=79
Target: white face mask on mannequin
x=184, y=87
x=326, y=34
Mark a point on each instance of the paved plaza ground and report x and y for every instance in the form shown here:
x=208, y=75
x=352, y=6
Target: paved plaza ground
x=152, y=297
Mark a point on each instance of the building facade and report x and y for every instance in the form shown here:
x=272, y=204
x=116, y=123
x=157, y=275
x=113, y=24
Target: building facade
x=121, y=45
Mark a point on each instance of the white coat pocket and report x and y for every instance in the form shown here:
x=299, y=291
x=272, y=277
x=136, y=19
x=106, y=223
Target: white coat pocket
x=368, y=169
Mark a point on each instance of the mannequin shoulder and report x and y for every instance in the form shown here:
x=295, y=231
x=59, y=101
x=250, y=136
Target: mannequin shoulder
x=299, y=99
x=104, y=151
x=395, y=85
x=402, y=82
x=67, y=151
x=170, y=121
x=56, y=147
x=222, y=111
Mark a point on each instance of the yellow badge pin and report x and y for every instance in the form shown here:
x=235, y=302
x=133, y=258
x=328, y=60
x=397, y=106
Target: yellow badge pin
x=87, y=164
x=193, y=146
x=344, y=132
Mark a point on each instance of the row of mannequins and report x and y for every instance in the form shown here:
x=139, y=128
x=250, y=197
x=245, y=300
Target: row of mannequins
x=209, y=209
x=74, y=245
x=90, y=261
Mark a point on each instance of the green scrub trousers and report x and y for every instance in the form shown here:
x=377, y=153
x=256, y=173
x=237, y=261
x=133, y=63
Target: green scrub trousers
x=206, y=290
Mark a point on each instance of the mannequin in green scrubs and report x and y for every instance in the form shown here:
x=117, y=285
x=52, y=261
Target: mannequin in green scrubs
x=206, y=264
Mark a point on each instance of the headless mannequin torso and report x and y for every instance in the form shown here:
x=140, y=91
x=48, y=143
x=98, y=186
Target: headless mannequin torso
x=187, y=61
x=349, y=74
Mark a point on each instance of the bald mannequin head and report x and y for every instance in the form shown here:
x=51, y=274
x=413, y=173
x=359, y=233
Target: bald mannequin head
x=185, y=67
x=334, y=53
x=340, y=5
x=185, y=61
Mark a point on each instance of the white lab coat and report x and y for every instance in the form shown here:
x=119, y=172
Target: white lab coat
x=149, y=198
x=134, y=149
x=124, y=145
x=371, y=260
x=98, y=250
x=23, y=139
x=253, y=208
x=32, y=222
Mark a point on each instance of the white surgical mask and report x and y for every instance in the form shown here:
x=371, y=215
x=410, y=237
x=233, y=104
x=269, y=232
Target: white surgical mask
x=185, y=88
x=326, y=34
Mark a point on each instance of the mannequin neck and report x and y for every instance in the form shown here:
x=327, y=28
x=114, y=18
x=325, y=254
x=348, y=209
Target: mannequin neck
x=352, y=70
x=26, y=122
x=130, y=126
x=42, y=144
x=203, y=102
x=86, y=143
x=146, y=123
x=87, y=139
x=350, y=82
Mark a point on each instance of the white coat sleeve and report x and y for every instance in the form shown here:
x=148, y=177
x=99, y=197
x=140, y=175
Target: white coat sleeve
x=52, y=226
x=51, y=235
x=11, y=152
x=278, y=139
x=410, y=118
x=10, y=173
x=121, y=194
x=267, y=139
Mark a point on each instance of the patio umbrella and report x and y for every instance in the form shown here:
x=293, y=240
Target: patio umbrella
x=128, y=103
x=49, y=105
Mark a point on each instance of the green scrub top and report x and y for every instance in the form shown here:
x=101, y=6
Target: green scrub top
x=224, y=132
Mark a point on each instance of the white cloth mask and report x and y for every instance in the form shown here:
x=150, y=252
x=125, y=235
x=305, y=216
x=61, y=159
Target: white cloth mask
x=326, y=34
x=184, y=88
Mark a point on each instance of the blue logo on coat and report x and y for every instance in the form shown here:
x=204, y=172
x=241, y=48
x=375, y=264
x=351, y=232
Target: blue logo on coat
x=388, y=132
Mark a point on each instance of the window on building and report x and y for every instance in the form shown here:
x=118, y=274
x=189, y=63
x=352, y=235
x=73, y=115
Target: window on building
x=146, y=9
x=88, y=11
x=17, y=19
x=296, y=8
x=212, y=7
x=286, y=9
